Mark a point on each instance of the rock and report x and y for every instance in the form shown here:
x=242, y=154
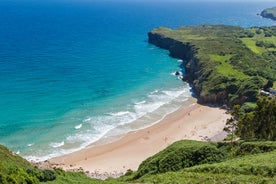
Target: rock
x=269, y=13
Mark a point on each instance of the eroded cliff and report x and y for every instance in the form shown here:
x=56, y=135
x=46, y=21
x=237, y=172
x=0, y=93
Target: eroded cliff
x=219, y=64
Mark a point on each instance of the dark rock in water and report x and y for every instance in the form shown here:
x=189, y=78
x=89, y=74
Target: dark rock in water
x=176, y=73
x=181, y=77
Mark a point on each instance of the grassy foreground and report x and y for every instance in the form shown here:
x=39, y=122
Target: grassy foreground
x=182, y=162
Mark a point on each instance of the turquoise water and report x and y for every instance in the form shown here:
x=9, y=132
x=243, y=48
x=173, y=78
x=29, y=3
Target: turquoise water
x=74, y=72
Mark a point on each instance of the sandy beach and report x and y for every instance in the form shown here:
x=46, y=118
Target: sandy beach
x=193, y=122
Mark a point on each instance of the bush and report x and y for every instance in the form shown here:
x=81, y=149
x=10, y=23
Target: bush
x=49, y=175
x=256, y=147
x=128, y=172
x=179, y=155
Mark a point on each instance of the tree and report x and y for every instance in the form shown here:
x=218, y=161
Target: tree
x=269, y=84
x=261, y=123
x=232, y=123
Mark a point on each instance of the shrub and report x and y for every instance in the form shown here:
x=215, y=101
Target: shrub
x=49, y=175
x=181, y=154
x=256, y=147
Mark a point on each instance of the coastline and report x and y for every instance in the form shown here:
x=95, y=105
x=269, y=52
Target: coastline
x=190, y=122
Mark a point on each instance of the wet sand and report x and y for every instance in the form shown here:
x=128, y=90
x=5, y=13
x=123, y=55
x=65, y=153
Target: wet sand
x=193, y=122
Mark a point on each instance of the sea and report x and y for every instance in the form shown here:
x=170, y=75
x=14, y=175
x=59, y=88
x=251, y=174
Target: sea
x=76, y=72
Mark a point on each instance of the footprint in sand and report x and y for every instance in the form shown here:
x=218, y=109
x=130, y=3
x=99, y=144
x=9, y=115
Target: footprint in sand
x=146, y=138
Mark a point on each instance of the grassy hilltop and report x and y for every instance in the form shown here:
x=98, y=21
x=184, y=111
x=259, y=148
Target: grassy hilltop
x=225, y=64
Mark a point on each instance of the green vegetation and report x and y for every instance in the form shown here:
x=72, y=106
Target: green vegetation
x=225, y=64
x=78, y=177
x=269, y=13
x=245, y=162
x=182, y=162
x=237, y=170
x=258, y=123
x=251, y=44
x=180, y=155
x=14, y=169
x=225, y=68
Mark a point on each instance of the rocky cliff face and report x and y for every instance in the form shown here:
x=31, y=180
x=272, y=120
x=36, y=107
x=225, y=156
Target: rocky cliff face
x=187, y=52
x=269, y=13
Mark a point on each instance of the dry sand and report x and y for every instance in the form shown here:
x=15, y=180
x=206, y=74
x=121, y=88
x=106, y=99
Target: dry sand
x=195, y=122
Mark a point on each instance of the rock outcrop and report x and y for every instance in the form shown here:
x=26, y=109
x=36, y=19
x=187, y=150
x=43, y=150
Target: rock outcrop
x=187, y=52
x=269, y=13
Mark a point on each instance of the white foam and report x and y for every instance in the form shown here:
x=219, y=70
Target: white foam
x=57, y=144
x=157, y=104
x=119, y=113
x=78, y=126
x=173, y=94
x=87, y=119
x=180, y=78
x=141, y=102
x=180, y=60
x=31, y=144
x=153, y=92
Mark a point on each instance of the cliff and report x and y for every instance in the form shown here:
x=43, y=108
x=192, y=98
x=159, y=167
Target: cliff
x=220, y=64
x=187, y=52
x=269, y=13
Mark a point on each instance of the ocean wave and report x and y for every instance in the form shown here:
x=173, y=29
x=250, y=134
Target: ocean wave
x=138, y=114
x=119, y=113
x=154, y=92
x=87, y=119
x=57, y=144
x=139, y=103
x=31, y=144
x=78, y=126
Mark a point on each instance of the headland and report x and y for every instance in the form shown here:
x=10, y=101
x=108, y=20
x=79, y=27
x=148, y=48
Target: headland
x=269, y=13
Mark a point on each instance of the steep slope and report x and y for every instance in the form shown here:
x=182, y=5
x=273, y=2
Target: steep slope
x=269, y=13
x=224, y=64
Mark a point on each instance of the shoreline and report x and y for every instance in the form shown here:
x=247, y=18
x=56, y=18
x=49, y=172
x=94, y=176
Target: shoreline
x=102, y=160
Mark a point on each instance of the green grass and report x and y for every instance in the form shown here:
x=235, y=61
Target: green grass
x=226, y=68
x=14, y=169
x=183, y=177
x=251, y=44
x=252, y=162
x=179, y=155
x=182, y=34
x=223, y=62
x=78, y=178
x=259, y=164
x=274, y=85
x=271, y=39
